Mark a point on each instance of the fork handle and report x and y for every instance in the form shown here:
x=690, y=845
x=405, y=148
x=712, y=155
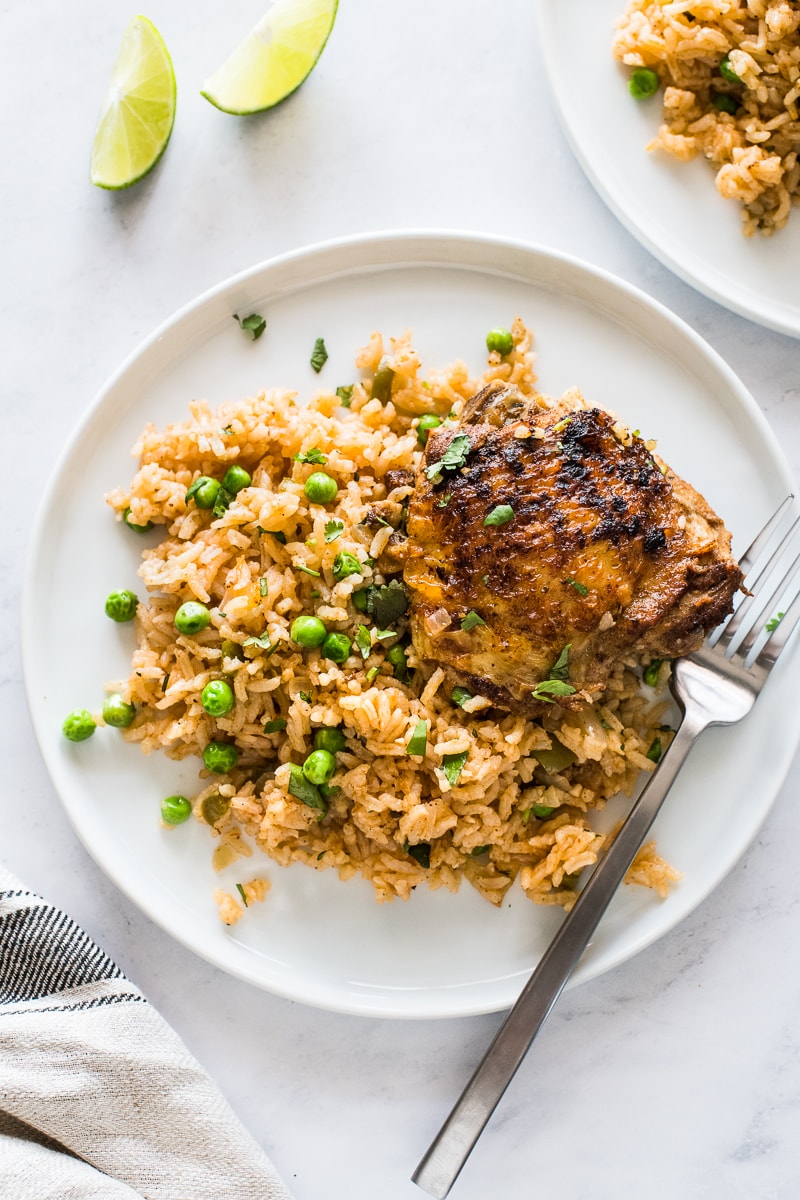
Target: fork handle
x=451, y=1147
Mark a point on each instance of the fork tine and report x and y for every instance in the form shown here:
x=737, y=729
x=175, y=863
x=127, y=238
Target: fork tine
x=753, y=569
x=765, y=609
x=771, y=650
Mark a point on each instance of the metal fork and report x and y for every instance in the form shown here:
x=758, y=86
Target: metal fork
x=718, y=685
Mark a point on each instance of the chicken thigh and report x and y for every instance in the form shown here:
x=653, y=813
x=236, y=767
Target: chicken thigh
x=547, y=543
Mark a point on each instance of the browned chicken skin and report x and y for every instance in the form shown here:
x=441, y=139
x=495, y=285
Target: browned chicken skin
x=607, y=552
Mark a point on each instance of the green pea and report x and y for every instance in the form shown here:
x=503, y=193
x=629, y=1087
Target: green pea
x=79, y=725
x=231, y=649
x=336, y=647
x=118, y=712
x=330, y=738
x=321, y=488
x=220, y=757
x=499, y=341
x=121, y=606
x=214, y=808
x=382, y=383
x=397, y=657
x=319, y=767
x=727, y=71
x=126, y=516
x=345, y=564
x=175, y=810
x=192, y=617
x=425, y=424
x=205, y=491
x=217, y=698
x=643, y=83
x=235, y=478
x=308, y=632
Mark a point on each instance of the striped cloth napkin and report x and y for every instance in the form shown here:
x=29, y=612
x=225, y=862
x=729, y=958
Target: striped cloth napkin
x=99, y=1098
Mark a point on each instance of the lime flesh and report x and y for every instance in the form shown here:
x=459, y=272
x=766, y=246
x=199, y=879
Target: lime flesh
x=138, y=110
x=275, y=57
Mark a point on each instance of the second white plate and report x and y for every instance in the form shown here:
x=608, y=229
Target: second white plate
x=672, y=208
x=316, y=939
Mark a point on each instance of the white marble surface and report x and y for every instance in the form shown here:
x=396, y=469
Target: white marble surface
x=676, y=1074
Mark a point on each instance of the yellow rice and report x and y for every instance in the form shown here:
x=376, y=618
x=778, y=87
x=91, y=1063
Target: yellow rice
x=754, y=149
x=391, y=810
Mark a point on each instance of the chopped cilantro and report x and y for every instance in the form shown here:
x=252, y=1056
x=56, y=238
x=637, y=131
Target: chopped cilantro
x=421, y=852
x=459, y=696
x=314, y=455
x=278, y=534
x=363, y=641
x=307, y=696
x=419, y=740
x=580, y=588
x=773, y=623
x=345, y=394
x=501, y=514
x=471, y=620
x=655, y=751
x=242, y=893
x=319, y=355
x=262, y=642
x=560, y=668
x=263, y=586
x=478, y=851
x=445, y=500
x=386, y=603
x=453, y=765
x=552, y=687
x=275, y=725
x=333, y=529
x=453, y=458
x=222, y=502
x=371, y=673
x=254, y=324
x=561, y=425
x=301, y=789
x=298, y=566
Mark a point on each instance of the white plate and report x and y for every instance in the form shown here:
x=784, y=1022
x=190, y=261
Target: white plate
x=673, y=208
x=316, y=939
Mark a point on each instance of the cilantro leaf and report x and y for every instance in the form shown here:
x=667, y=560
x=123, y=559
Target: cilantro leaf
x=387, y=603
x=275, y=725
x=319, y=355
x=313, y=455
x=421, y=852
x=453, y=458
x=222, y=502
x=773, y=623
x=560, y=668
x=580, y=588
x=333, y=529
x=254, y=324
x=471, y=620
x=459, y=696
x=453, y=765
x=278, y=534
x=262, y=642
x=552, y=687
x=363, y=641
x=345, y=394
x=242, y=893
x=501, y=514
x=301, y=789
x=419, y=740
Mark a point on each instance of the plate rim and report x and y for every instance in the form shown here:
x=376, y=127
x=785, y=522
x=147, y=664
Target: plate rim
x=759, y=313
x=399, y=241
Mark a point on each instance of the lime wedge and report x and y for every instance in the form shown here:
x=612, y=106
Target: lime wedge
x=275, y=57
x=138, y=110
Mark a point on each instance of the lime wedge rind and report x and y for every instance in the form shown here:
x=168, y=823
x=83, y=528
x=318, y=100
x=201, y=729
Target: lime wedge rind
x=274, y=58
x=138, y=111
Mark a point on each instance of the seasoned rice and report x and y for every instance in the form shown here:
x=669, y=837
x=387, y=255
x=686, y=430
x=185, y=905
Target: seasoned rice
x=395, y=819
x=754, y=147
